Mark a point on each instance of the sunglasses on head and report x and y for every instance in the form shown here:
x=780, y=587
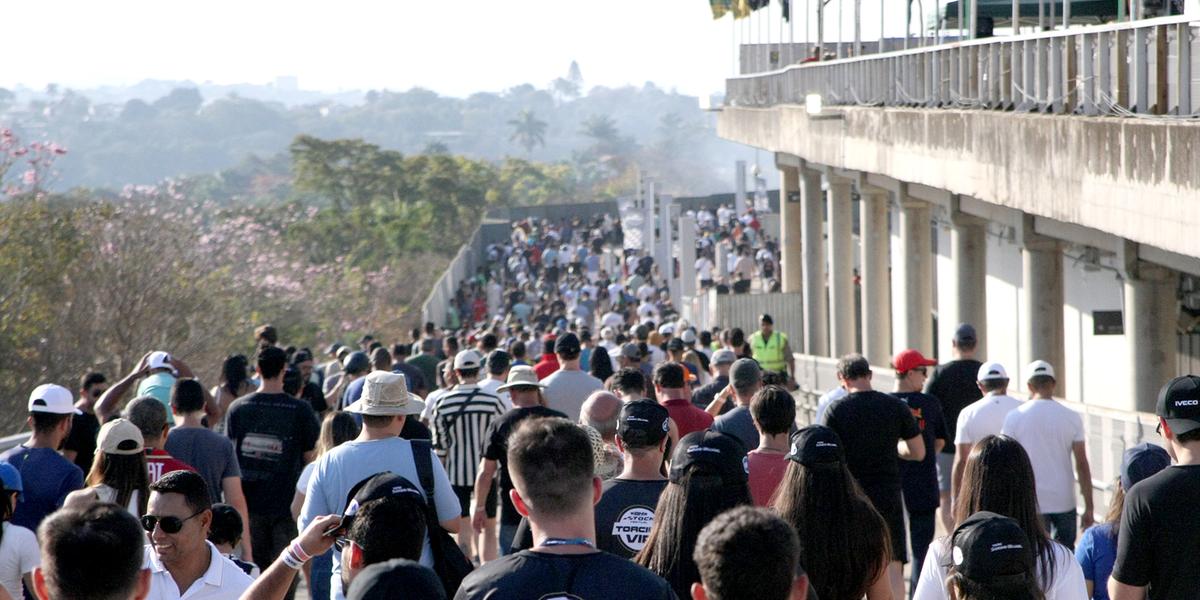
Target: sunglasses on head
x=168, y=524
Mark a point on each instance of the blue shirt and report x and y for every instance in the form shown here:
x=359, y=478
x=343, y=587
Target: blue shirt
x=1096, y=553
x=159, y=386
x=341, y=468
x=47, y=478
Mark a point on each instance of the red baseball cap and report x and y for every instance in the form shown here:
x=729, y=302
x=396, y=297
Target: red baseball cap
x=907, y=360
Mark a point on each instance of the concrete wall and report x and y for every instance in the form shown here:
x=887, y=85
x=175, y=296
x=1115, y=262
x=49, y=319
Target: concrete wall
x=1134, y=178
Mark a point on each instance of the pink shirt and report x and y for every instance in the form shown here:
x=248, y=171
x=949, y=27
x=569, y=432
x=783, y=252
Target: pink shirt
x=766, y=471
x=687, y=417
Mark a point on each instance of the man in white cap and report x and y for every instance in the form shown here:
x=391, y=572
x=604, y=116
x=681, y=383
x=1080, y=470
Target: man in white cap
x=1052, y=434
x=48, y=477
x=983, y=417
x=384, y=406
x=460, y=421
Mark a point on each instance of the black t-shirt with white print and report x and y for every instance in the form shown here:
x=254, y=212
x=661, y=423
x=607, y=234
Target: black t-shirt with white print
x=625, y=515
x=271, y=433
x=532, y=575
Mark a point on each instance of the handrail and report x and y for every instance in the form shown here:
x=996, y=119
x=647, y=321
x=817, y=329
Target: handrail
x=1140, y=68
x=1057, y=33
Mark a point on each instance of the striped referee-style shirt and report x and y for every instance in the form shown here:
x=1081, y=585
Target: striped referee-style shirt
x=460, y=420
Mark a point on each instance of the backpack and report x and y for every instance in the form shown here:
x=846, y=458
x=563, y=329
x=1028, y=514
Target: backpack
x=449, y=562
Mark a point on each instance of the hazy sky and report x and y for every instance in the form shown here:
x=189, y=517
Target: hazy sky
x=451, y=46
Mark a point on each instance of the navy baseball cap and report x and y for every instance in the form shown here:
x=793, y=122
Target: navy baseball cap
x=377, y=487
x=1142, y=461
x=965, y=333
x=721, y=451
x=1179, y=404
x=396, y=578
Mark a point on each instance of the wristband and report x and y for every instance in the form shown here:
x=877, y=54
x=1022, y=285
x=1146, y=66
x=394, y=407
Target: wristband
x=299, y=550
x=291, y=560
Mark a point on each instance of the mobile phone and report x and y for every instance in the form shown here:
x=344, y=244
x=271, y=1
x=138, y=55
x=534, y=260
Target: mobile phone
x=337, y=530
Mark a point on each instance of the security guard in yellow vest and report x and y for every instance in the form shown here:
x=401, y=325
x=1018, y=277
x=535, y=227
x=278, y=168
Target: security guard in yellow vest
x=770, y=349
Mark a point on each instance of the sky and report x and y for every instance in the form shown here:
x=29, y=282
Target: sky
x=454, y=47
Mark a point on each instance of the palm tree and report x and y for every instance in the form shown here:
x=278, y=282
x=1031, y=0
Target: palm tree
x=528, y=131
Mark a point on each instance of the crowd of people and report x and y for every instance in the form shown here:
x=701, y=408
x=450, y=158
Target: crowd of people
x=575, y=438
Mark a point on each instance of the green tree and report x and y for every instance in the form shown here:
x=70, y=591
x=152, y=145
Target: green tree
x=528, y=131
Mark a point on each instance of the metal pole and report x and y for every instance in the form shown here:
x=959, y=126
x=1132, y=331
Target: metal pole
x=907, y=23
x=961, y=16
x=791, y=21
x=858, y=27
x=973, y=20
x=820, y=29
x=882, y=20
x=840, y=23
x=1066, y=13
x=1016, y=17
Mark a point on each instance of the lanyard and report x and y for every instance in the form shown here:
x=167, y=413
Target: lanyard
x=551, y=542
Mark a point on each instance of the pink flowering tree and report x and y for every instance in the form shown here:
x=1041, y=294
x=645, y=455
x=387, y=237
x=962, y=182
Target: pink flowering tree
x=26, y=169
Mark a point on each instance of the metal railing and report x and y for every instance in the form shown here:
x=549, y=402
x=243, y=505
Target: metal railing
x=1125, y=69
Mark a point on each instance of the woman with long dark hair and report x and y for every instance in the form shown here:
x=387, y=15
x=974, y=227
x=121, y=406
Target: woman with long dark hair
x=336, y=429
x=999, y=478
x=600, y=364
x=119, y=472
x=706, y=479
x=18, y=545
x=992, y=560
x=235, y=383
x=844, y=544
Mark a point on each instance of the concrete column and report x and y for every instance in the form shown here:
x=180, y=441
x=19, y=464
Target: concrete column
x=668, y=246
x=687, y=256
x=914, y=269
x=968, y=240
x=812, y=209
x=1151, y=315
x=739, y=195
x=648, y=223
x=662, y=247
x=876, y=281
x=1042, y=282
x=790, y=228
x=841, y=268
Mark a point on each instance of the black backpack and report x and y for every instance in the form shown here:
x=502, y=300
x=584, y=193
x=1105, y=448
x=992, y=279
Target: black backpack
x=449, y=562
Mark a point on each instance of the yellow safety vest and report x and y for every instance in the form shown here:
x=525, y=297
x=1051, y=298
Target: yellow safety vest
x=769, y=353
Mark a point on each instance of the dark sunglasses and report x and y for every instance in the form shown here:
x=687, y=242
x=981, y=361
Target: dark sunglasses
x=168, y=524
x=1158, y=428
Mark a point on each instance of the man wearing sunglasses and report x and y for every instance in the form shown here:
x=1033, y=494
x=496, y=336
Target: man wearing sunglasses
x=182, y=562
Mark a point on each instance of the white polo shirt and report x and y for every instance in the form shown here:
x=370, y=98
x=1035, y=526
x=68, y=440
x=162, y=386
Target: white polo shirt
x=222, y=581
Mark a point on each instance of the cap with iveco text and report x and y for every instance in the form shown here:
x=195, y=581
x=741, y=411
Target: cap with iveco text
x=990, y=548
x=567, y=344
x=53, y=399
x=1179, y=404
x=643, y=423
x=383, y=581
x=990, y=371
x=907, y=360
x=467, y=360
x=1142, y=461
x=377, y=487
x=1040, y=368
x=815, y=445
x=721, y=451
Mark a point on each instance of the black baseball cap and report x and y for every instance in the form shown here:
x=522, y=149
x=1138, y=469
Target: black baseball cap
x=990, y=548
x=965, y=333
x=815, y=445
x=384, y=581
x=1179, y=404
x=675, y=344
x=567, y=344
x=643, y=423
x=721, y=451
x=377, y=487
x=765, y=318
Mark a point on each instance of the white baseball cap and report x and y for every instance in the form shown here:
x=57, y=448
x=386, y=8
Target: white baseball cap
x=1040, y=368
x=467, y=359
x=53, y=399
x=991, y=370
x=160, y=360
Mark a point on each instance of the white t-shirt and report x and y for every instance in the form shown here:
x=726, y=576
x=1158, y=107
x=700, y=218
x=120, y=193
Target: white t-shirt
x=1068, y=581
x=704, y=268
x=305, y=476
x=491, y=386
x=612, y=319
x=645, y=293
x=18, y=556
x=647, y=310
x=1048, y=431
x=983, y=417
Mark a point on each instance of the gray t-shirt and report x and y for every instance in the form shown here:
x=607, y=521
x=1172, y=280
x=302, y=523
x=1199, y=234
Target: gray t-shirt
x=210, y=453
x=740, y=425
x=566, y=390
